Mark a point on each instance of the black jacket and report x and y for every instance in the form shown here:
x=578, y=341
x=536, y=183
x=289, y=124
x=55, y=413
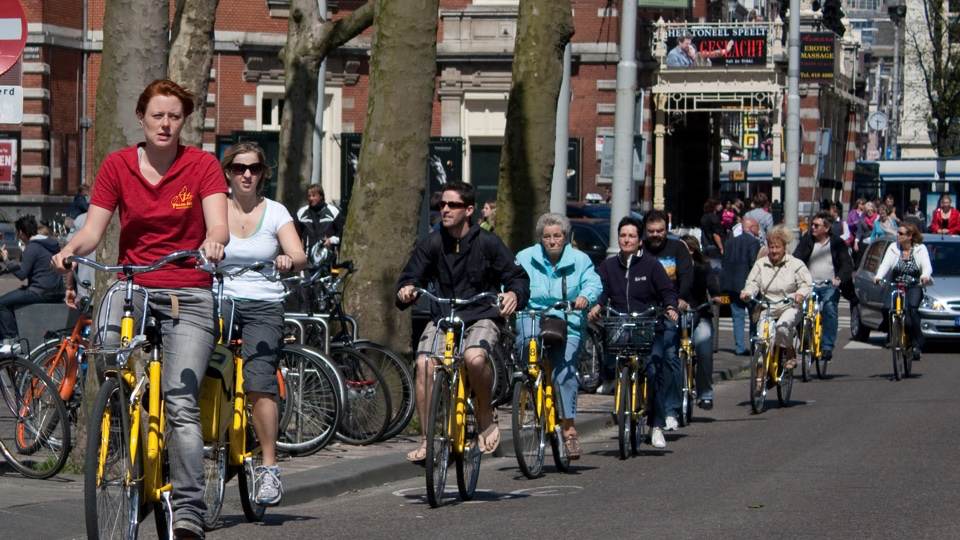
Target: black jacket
x=706, y=284
x=676, y=260
x=635, y=289
x=34, y=266
x=840, y=256
x=478, y=262
x=315, y=224
x=739, y=254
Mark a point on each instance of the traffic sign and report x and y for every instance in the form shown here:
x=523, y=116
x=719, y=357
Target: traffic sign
x=13, y=33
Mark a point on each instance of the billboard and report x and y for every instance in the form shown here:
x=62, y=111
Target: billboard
x=817, y=57
x=715, y=45
x=9, y=173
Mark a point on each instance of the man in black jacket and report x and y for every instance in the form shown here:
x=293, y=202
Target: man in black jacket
x=633, y=281
x=463, y=260
x=320, y=225
x=829, y=262
x=43, y=284
x=739, y=254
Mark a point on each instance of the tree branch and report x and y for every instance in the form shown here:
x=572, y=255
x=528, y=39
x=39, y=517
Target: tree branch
x=329, y=35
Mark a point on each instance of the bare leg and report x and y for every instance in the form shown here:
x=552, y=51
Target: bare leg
x=424, y=386
x=265, y=424
x=569, y=429
x=479, y=375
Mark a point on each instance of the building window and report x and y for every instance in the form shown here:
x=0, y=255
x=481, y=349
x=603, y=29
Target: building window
x=270, y=109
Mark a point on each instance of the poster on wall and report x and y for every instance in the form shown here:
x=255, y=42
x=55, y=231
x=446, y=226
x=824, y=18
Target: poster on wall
x=714, y=46
x=9, y=166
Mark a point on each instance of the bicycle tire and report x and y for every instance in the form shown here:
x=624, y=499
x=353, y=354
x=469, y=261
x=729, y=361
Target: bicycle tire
x=804, y=349
x=215, y=457
x=117, y=467
x=623, y=412
x=638, y=419
x=560, y=457
x=529, y=442
x=685, y=391
x=368, y=409
x=785, y=387
x=468, y=461
x=438, y=439
x=252, y=511
x=895, y=341
x=53, y=359
x=819, y=361
x=907, y=353
x=396, y=371
x=314, y=400
x=589, y=360
x=34, y=426
x=758, y=380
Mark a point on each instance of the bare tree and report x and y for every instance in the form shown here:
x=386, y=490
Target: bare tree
x=382, y=218
x=526, y=163
x=310, y=38
x=191, y=55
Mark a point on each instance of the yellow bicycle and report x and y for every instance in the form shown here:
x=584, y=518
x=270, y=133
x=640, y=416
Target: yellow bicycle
x=688, y=362
x=901, y=348
x=536, y=405
x=629, y=337
x=765, y=367
x=452, y=425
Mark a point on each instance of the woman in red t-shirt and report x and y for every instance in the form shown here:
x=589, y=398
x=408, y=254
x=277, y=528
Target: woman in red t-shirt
x=946, y=219
x=170, y=197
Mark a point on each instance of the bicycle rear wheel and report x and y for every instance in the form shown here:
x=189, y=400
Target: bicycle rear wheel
x=896, y=328
x=314, y=400
x=623, y=412
x=560, y=457
x=111, y=481
x=438, y=439
x=399, y=378
x=468, y=461
x=368, y=408
x=529, y=443
x=215, y=479
x=638, y=417
x=34, y=426
x=758, y=380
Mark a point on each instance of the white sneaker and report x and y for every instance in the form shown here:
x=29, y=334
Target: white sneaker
x=671, y=424
x=10, y=348
x=657, y=439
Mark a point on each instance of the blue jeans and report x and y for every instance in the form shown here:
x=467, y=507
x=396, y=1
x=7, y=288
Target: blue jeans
x=672, y=381
x=703, y=345
x=563, y=360
x=188, y=342
x=830, y=300
x=740, y=312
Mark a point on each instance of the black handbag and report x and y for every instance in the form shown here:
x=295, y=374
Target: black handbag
x=553, y=330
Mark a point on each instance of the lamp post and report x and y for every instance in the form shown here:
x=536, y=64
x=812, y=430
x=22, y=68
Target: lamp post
x=897, y=10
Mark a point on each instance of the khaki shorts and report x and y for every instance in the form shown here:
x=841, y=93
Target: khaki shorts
x=483, y=334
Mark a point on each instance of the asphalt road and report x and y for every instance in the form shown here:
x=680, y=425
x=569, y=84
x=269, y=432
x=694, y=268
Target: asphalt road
x=854, y=456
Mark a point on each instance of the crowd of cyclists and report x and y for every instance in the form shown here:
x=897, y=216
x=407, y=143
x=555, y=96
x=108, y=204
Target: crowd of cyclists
x=173, y=197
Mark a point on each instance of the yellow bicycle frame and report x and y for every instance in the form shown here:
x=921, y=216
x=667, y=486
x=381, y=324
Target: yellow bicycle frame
x=457, y=423
x=546, y=405
x=817, y=337
x=771, y=361
x=638, y=392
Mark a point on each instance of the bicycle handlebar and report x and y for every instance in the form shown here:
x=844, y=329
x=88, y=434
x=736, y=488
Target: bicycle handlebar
x=650, y=311
x=131, y=269
x=822, y=283
x=768, y=303
x=706, y=304
x=457, y=301
x=237, y=270
x=565, y=306
x=903, y=279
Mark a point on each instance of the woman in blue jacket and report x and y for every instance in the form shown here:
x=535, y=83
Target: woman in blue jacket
x=559, y=272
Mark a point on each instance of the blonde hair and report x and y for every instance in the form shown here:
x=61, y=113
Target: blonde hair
x=780, y=233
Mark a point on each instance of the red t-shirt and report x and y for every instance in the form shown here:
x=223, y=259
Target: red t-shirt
x=157, y=220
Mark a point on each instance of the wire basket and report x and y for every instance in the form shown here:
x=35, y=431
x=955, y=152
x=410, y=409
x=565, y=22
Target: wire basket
x=629, y=334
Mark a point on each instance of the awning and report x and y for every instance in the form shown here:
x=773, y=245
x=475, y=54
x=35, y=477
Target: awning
x=762, y=171
x=916, y=170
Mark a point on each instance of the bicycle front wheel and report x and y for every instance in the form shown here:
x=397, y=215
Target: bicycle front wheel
x=438, y=439
x=686, y=397
x=111, y=480
x=589, y=359
x=396, y=373
x=368, y=407
x=623, y=412
x=758, y=380
x=638, y=413
x=215, y=479
x=34, y=426
x=819, y=360
x=804, y=348
x=528, y=434
x=785, y=387
x=313, y=402
x=468, y=461
x=896, y=341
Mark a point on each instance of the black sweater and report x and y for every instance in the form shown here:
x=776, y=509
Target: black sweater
x=34, y=266
x=675, y=258
x=645, y=284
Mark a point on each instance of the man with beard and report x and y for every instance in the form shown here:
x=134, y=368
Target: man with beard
x=675, y=259
x=320, y=224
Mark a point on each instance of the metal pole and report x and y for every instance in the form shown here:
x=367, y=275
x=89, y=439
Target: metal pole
x=791, y=192
x=622, y=188
x=895, y=92
x=317, y=162
x=558, y=188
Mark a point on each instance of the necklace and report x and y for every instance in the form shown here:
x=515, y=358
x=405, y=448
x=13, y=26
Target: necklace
x=243, y=215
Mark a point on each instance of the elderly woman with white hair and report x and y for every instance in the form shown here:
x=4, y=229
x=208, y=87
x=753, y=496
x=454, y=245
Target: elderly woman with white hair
x=559, y=272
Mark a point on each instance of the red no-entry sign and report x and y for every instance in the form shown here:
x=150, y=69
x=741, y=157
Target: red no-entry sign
x=13, y=33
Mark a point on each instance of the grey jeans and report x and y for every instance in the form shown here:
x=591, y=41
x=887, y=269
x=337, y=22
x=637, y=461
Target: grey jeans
x=188, y=340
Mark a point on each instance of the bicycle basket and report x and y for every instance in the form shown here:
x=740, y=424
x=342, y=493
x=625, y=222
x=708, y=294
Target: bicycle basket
x=629, y=334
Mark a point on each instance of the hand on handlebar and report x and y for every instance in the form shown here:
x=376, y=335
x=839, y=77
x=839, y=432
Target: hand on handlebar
x=926, y=280
x=407, y=294
x=283, y=263
x=682, y=304
x=508, y=303
x=212, y=250
x=798, y=298
x=581, y=303
x=594, y=314
x=59, y=261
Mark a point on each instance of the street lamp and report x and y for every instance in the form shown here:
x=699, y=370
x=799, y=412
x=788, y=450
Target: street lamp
x=897, y=10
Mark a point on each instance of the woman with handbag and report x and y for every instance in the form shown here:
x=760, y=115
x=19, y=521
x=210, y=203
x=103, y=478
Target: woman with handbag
x=559, y=272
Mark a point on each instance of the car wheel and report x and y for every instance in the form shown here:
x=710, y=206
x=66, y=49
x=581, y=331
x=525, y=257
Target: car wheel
x=858, y=331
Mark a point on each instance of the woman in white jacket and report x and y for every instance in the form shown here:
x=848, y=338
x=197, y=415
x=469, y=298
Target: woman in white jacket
x=909, y=257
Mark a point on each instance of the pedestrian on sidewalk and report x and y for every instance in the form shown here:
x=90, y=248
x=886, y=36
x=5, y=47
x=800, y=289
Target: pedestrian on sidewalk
x=738, y=257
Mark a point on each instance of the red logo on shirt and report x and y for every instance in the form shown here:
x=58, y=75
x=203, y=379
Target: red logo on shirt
x=182, y=200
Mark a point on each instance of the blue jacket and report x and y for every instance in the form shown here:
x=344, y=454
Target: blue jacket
x=546, y=283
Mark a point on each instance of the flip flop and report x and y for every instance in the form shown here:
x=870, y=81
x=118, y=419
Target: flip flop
x=489, y=439
x=418, y=455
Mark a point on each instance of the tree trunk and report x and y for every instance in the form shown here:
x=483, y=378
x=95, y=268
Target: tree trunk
x=526, y=162
x=309, y=40
x=134, y=54
x=384, y=205
x=191, y=55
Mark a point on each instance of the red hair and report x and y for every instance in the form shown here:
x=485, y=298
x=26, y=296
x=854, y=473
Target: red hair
x=165, y=87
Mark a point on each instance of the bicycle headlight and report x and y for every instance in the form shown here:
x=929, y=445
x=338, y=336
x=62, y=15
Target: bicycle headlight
x=932, y=304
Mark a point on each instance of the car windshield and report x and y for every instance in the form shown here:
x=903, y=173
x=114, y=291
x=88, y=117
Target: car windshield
x=945, y=258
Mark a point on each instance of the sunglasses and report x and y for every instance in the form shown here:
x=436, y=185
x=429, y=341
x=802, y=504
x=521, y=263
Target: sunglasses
x=237, y=169
x=453, y=205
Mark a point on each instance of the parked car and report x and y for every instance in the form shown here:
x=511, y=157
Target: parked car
x=593, y=211
x=940, y=308
x=590, y=236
